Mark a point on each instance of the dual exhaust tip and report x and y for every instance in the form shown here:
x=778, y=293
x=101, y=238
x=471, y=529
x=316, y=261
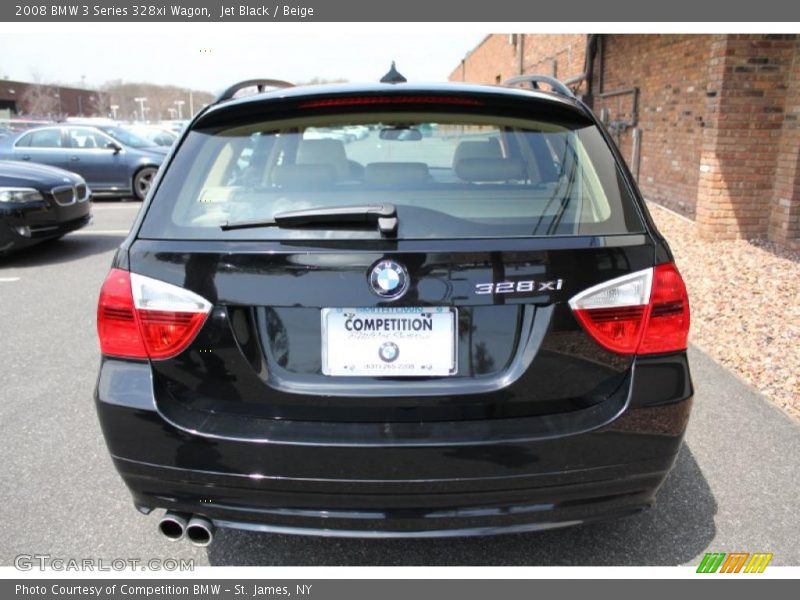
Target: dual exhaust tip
x=198, y=530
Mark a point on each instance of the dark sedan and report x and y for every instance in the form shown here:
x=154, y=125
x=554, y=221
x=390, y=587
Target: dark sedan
x=113, y=161
x=39, y=203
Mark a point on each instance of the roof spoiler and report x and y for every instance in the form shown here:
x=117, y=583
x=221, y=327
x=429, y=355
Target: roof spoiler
x=260, y=84
x=556, y=86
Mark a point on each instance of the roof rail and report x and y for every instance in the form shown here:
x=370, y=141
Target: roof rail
x=557, y=86
x=258, y=83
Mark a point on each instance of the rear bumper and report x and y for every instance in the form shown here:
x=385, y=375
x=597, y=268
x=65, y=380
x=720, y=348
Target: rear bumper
x=507, y=475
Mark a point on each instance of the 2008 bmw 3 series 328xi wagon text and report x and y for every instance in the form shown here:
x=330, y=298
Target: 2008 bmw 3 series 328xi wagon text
x=393, y=310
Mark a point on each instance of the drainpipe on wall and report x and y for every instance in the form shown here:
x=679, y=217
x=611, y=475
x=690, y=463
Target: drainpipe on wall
x=632, y=91
x=521, y=54
x=588, y=69
x=636, y=152
x=601, y=71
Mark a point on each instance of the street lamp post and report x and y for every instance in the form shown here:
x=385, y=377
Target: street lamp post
x=114, y=108
x=179, y=104
x=141, y=102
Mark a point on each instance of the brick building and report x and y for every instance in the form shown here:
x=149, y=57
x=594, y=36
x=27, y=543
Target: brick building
x=24, y=99
x=714, y=117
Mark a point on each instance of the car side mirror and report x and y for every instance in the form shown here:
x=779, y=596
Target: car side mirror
x=114, y=146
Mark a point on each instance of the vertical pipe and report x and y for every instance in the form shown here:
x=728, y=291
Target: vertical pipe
x=636, y=152
x=602, y=68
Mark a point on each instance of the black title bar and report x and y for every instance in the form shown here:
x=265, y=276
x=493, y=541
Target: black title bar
x=733, y=11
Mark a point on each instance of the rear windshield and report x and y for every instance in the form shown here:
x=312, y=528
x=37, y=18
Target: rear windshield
x=449, y=176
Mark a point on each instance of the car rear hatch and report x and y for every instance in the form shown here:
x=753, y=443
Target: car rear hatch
x=507, y=206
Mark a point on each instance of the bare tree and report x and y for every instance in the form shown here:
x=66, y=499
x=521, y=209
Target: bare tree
x=100, y=105
x=321, y=81
x=40, y=99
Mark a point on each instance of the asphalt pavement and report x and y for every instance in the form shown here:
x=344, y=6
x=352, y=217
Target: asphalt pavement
x=735, y=485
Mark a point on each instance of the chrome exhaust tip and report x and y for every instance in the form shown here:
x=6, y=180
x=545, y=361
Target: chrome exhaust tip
x=200, y=531
x=173, y=525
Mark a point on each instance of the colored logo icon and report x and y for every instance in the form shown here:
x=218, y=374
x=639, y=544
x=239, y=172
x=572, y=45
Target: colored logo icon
x=734, y=562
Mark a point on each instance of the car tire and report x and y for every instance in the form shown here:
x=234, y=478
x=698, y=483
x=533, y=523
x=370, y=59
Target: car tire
x=142, y=181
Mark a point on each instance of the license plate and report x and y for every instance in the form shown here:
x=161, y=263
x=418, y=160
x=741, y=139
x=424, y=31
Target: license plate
x=389, y=342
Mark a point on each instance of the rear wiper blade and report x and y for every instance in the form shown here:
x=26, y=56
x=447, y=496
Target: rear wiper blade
x=383, y=215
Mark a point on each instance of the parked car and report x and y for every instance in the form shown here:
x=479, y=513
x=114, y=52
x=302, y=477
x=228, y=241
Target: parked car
x=112, y=160
x=17, y=124
x=157, y=136
x=39, y=203
x=474, y=332
x=328, y=133
x=359, y=132
x=92, y=121
x=176, y=125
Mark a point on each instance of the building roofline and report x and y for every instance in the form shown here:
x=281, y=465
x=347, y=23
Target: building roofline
x=49, y=85
x=478, y=45
x=472, y=51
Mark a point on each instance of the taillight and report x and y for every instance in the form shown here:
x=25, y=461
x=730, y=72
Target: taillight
x=116, y=318
x=140, y=317
x=646, y=312
x=668, y=323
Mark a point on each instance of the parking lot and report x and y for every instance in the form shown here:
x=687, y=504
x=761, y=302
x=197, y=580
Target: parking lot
x=734, y=487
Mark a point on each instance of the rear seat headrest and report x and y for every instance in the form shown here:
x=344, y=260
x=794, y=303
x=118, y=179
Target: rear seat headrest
x=477, y=149
x=330, y=152
x=477, y=170
x=396, y=173
x=309, y=175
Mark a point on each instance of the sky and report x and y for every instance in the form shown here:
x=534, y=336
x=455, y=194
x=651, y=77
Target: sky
x=211, y=59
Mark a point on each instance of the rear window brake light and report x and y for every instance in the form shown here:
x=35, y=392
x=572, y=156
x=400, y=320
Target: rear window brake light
x=380, y=100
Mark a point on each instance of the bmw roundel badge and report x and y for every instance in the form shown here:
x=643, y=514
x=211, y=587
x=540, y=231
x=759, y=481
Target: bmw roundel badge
x=389, y=279
x=388, y=352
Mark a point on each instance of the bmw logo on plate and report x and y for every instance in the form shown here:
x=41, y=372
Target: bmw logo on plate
x=389, y=279
x=389, y=352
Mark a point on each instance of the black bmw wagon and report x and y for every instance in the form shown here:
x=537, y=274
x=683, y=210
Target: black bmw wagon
x=393, y=310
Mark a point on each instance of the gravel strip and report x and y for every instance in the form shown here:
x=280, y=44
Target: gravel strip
x=745, y=302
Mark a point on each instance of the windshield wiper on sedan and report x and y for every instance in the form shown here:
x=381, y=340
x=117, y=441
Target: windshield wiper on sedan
x=346, y=217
